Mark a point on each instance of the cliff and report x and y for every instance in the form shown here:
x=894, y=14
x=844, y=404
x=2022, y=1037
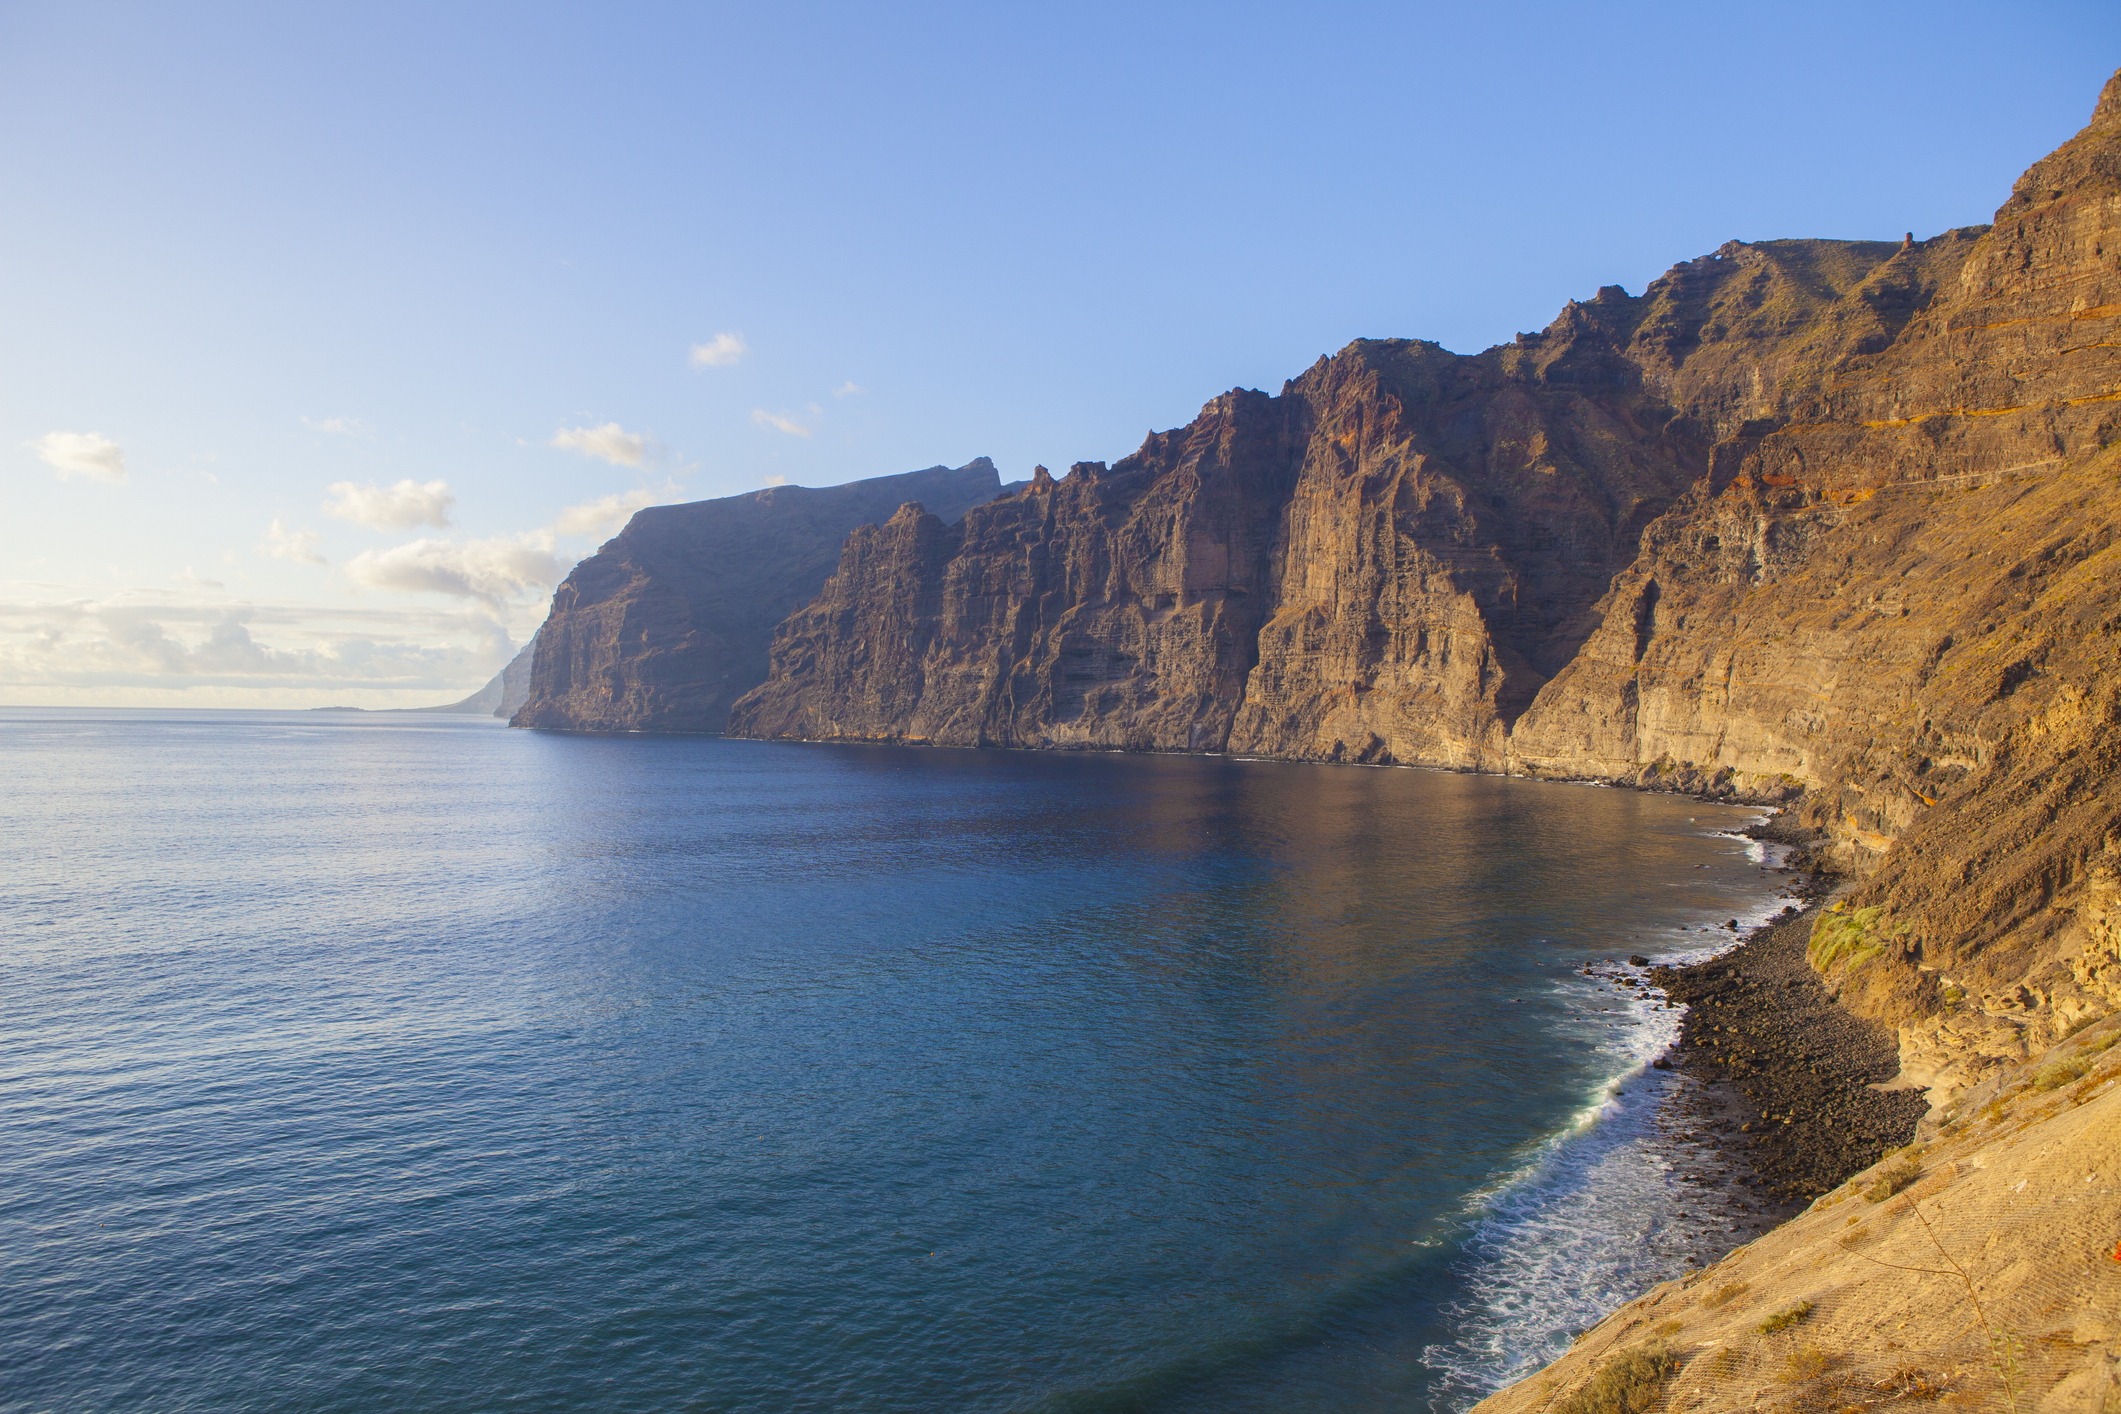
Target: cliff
x=1822, y=519
x=668, y=623
x=505, y=692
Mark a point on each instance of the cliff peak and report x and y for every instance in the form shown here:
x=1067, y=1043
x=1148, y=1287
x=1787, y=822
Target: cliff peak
x=668, y=624
x=2108, y=108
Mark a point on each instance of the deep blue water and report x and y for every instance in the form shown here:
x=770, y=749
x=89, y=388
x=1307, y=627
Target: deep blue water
x=370, y=1062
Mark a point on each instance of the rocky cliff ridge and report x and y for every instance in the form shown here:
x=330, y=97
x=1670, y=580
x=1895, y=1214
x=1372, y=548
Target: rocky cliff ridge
x=1819, y=521
x=668, y=623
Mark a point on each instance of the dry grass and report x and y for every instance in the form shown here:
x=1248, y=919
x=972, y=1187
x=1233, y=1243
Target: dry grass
x=1911, y=1382
x=1668, y=1328
x=1724, y=1295
x=2061, y=1073
x=1806, y=1364
x=1629, y=1383
x=1891, y=1179
x=1785, y=1318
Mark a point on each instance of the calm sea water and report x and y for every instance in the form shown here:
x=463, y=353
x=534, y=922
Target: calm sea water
x=367, y=1063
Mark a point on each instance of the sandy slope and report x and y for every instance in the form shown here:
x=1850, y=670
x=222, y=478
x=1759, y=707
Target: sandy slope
x=1992, y=1280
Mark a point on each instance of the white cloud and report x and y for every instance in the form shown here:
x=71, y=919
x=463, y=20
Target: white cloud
x=610, y=442
x=720, y=352
x=338, y=426
x=780, y=422
x=82, y=454
x=398, y=507
x=776, y=481
x=491, y=570
x=120, y=646
x=848, y=389
x=282, y=543
x=606, y=513
x=195, y=580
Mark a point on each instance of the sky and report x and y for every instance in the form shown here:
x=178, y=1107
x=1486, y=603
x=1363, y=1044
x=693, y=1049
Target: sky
x=332, y=335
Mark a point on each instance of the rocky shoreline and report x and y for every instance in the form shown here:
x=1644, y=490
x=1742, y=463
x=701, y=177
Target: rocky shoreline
x=1786, y=1078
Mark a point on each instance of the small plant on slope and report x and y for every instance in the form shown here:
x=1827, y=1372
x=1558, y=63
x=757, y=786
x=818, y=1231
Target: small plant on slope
x=1629, y=1383
x=1785, y=1318
x=1724, y=1295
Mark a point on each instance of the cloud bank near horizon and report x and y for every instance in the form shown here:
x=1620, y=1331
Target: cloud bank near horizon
x=154, y=647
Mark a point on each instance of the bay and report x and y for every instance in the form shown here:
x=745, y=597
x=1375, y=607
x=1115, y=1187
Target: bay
x=366, y=1061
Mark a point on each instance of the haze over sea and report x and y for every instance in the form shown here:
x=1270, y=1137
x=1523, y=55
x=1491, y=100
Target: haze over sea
x=358, y=1062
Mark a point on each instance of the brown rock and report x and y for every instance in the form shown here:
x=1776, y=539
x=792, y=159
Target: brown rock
x=1829, y=518
x=668, y=623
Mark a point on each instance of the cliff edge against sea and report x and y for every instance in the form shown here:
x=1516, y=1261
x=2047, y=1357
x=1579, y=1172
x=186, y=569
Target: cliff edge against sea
x=1829, y=524
x=667, y=624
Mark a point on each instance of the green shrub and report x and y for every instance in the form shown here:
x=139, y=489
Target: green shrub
x=1626, y=1384
x=2061, y=1073
x=1785, y=1318
x=1905, y=1168
x=1848, y=938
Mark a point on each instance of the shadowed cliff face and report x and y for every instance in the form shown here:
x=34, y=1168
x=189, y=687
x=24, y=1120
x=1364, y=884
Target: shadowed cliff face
x=1829, y=518
x=1117, y=608
x=667, y=625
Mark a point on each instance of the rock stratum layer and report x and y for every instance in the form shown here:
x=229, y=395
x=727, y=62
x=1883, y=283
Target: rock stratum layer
x=1829, y=520
x=668, y=624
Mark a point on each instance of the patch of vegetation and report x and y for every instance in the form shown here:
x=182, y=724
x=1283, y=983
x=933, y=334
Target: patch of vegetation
x=1892, y=1178
x=1785, y=1318
x=1668, y=1327
x=1724, y=1295
x=1629, y=1383
x=1912, y=1382
x=1726, y=1362
x=2062, y=1072
x=1855, y=1237
x=1849, y=938
x=1807, y=1364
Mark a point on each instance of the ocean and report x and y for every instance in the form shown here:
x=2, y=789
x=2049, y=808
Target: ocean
x=390, y=1061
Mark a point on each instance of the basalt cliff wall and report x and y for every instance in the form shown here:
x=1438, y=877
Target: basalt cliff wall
x=1829, y=522
x=668, y=624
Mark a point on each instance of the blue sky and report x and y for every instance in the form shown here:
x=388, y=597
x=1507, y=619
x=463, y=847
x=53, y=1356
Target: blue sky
x=292, y=266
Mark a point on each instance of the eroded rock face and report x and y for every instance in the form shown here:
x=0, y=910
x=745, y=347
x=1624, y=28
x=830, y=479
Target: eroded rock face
x=1820, y=518
x=667, y=625
x=1117, y=608
x=1905, y=600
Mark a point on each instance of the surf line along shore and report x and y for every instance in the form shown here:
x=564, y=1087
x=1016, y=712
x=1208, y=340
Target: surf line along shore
x=1786, y=1081
x=1970, y=1255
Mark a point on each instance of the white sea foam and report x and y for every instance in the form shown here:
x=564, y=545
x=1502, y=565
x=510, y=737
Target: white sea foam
x=1614, y=1203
